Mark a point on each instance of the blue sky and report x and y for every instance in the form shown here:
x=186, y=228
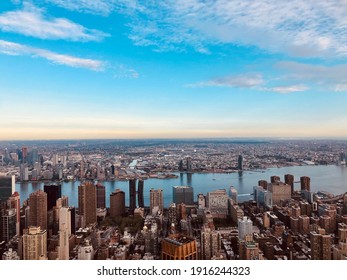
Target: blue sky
x=172, y=69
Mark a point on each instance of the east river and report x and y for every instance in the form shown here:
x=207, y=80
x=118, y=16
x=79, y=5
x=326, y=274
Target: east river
x=329, y=178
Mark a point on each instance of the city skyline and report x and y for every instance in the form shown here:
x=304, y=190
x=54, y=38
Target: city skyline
x=176, y=69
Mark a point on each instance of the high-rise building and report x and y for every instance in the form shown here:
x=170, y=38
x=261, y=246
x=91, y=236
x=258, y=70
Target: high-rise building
x=233, y=194
x=305, y=183
x=304, y=224
x=344, y=208
x=262, y=197
x=201, y=201
x=14, y=202
x=245, y=227
x=82, y=170
x=87, y=203
x=249, y=250
x=240, y=162
x=156, y=200
x=53, y=192
x=64, y=233
x=100, y=196
x=275, y=179
x=24, y=172
x=132, y=196
x=210, y=243
x=5, y=188
x=320, y=246
x=73, y=219
x=117, y=203
x=179, y=247
x=24, y=154
x=217, y=203
x=34, y=244
x=263, y=183
x=38, y=209
x=140, y=199
x=8, y=224
x=280, y=191
x=182, y=194
x=289, y=180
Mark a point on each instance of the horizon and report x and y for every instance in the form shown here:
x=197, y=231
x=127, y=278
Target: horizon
x=227, y=139
x=80, y=70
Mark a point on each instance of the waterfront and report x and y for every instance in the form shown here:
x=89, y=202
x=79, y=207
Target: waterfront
x=329, y=178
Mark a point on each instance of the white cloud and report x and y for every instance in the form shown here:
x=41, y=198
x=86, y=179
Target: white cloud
x=287, y=89
x=124, y=72
x=341, y=88
x=300, y=28
x=244, y=81
x=11, y=48
x=31, y=21
x=332, y=77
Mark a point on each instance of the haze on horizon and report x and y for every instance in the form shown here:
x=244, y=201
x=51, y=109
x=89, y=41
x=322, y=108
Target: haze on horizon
x=107, y=69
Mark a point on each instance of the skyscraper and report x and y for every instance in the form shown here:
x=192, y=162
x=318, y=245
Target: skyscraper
x=140, y=200
x=38, y=209
x=132, y=196
x=275, y=179
x=87, y=203
x=24, y=154
x=8, y=224
x=5, y=188
x=233, y=194
x=117, y=203
x=24, y=172
x=210, y=243
x=182, y=194
x=320, y=246
x=305, y=183
x=156, y=199
x=64, y=233
x=245, y=226
x=217, y=203
x=53, y=192
x=289, y=180
x=34, y=244
x=14, y=202
x=280, y=191
x=100, y=196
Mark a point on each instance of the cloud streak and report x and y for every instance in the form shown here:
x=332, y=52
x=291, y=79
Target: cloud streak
x=10, y=48
x=31, y=21
x=237, y=81
x=299, y=28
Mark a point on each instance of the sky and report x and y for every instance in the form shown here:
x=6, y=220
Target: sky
x=89, y=69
